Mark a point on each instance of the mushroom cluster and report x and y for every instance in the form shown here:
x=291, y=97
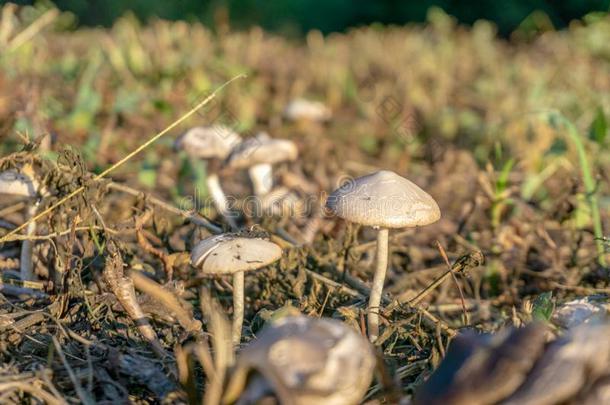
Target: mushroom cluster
x=295, y=360
x=382, y=200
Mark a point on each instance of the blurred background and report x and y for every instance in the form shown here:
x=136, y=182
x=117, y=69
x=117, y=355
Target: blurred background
x=296, y=17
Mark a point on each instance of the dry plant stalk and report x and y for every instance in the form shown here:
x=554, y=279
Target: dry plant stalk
x=220, y=329
x=464, y=263
x=215, y=359
x=122, y=287
x=455, y=280
x=9, y=263
x=149, y=248
x=183, y=315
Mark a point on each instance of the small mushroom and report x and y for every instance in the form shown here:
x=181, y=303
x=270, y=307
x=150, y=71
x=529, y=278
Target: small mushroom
x=22, y=184
x=213, y=144
x=382, y=200
x=303, y=361
x=301, y=109
x=234, y=254
x=258, y=154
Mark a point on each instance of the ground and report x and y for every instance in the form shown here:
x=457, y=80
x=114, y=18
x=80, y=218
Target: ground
x=508, y=135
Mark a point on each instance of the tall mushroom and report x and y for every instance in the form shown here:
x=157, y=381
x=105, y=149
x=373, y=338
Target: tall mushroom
x=304, y=361
x=213, y=144
x=22, y=184
x=234, y=254
x=258, y=154
x=382, y=200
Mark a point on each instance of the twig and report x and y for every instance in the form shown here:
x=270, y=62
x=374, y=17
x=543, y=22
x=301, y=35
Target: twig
x=221, y=339
x=149, y=287
x=455, y=280
x=82, y=395
x=32, y=319
x=34, y=285
x=356, y=284
x=149, y=248
x=20, y=292
x=195, y=219
x=463, y=263
x=66, y=232
x=122, y=288
x=333, y=284
x=33, y=390
x=363, y=291
x=12, y=208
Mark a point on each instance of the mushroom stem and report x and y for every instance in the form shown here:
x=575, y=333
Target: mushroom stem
x=262, y=178
x=26, y=267
x=238, y=306
x=377, y=288
x=219, y=198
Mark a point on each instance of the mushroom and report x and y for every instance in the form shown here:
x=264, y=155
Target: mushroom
x=258, y=154
x=301, y=109
x=22, y=184
x=213, y=144
x=382, y=200
x=483, y=368
x=234, y=254
x=304, y=360
x=569, y=366
x=518, y=366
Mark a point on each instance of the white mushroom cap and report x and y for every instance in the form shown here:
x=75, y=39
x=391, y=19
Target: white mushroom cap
x=262, y=149
x=302, y=109
x=231, y=253
x=15, y=183
x=384, y=199
x=309, y=361
x=208, y=142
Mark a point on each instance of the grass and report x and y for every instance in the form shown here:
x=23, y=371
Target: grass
x=591, y=186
